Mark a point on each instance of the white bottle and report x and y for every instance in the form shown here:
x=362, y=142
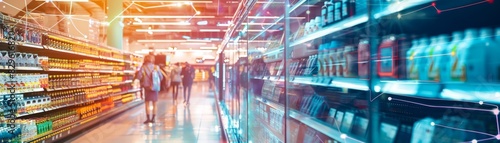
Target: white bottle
x=447, y=58
x=492, y=51
x=410, y=60
x=427, y=58
x=467, y=61
x=436, y=60
x=420, y=59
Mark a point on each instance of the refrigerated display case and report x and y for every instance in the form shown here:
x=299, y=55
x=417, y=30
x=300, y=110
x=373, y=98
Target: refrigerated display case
x=376, y=71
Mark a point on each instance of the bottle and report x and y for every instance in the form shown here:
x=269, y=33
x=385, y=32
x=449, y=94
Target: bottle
x=331, y=11
x=331, y=59
x=351, y=61
x=470, y=56
x=348, y=8
x=320, y=63
x=427, y=57
x=492, y=51
x=437, y=58
x=324, y=14
x=339, y=61
x=421, y=60
x=363, y=58
x=338, y=10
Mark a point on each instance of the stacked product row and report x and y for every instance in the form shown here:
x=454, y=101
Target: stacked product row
x=22, y=82
x=84, y=64
x=438, y=59
x=84, y=79
x=22, y=59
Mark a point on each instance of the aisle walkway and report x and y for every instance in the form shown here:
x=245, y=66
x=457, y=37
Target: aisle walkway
x=196, y=123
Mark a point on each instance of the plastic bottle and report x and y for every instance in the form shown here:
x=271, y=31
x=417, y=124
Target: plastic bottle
x=320, y=62
x=427, y=57
x=351, y=61
x=492, y=51
x=445, y=70
x=330, y=11
x=363, y=58
x=324, y=13
x=438, y=58
x=410, y=60
x=469, y=57
x=421, y=59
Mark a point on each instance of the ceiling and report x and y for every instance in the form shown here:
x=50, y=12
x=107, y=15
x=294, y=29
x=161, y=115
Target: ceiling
x=163, y=23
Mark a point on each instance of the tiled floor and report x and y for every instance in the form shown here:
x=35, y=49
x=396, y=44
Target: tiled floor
x=196, y=123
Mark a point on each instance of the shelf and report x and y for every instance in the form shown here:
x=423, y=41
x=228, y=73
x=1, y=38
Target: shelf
x=90, y=71
x=321, y=127
x=73, y=104
x=353, y=21
x=339, y=82
x=410, y=88
x=103, y=84
x=30, y=91
x=67, y=130
x=23, y=68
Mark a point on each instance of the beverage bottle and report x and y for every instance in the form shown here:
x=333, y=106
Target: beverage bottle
x=322, y=59
x=319, y=22
x=428, y=58
x=470, y=56
x=389, y=64
x=438, y=58
x=348, y=8
x=421, y=60
x=351, y=61
x=338, y=10
x=331, y=12
x=324, y=13
x=492, y=51
x=363, y=58
x=339, y=61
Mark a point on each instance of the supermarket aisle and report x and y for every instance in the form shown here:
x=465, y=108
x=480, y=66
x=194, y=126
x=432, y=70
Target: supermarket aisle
x=174, y=124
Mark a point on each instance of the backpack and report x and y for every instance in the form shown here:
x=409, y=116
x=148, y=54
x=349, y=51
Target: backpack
x=155, y=79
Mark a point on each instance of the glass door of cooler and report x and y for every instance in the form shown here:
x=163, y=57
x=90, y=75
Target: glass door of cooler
x=391, y=71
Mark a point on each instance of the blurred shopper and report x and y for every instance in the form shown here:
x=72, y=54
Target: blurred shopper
x=151, y=85
x=176, y=80
x=211, y=78
x=187, y=81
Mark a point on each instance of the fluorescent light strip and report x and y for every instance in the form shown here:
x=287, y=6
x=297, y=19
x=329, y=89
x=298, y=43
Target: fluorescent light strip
x=160, y=41
x=174, y=1
x=210, y=30
x=195, y=40
x=209, y=48
x=164, y=16
x=162, y=30
x=193, y=43
x=161, y=23
x=64, y=0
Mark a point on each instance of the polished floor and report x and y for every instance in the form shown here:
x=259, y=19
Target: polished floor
x=195, y=123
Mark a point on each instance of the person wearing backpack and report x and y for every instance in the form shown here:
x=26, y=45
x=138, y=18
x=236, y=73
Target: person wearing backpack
x=150, y=76
x=176, y=80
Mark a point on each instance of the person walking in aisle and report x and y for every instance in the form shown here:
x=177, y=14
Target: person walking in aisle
x=176, y=80
x=187, y=81
x=145, y=76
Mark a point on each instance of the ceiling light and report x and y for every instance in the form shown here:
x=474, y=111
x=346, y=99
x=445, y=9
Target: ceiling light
x=209, y=30
x=176, y=1
x=209, y=48
x=193, y=43
x=202, y=22
x=64, y=0
x=196, y=40
x=198, y=12
x=165, y=16
x=162, y=30
x=162, y=23
x=160, y=41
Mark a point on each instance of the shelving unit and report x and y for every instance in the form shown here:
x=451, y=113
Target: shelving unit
x=420, y=83
x=58, y=91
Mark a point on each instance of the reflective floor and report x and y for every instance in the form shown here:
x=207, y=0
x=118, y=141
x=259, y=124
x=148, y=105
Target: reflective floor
x=195, y=123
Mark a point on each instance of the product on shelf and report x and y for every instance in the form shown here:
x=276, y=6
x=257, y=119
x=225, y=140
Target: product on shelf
x=437, y=58
x=351, y=61
x=22, y=82
x=445, y=73
x=363, y=58
x=418, y=61
x=390, y=55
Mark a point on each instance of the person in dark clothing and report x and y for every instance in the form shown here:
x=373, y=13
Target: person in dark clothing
x=187, y=81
